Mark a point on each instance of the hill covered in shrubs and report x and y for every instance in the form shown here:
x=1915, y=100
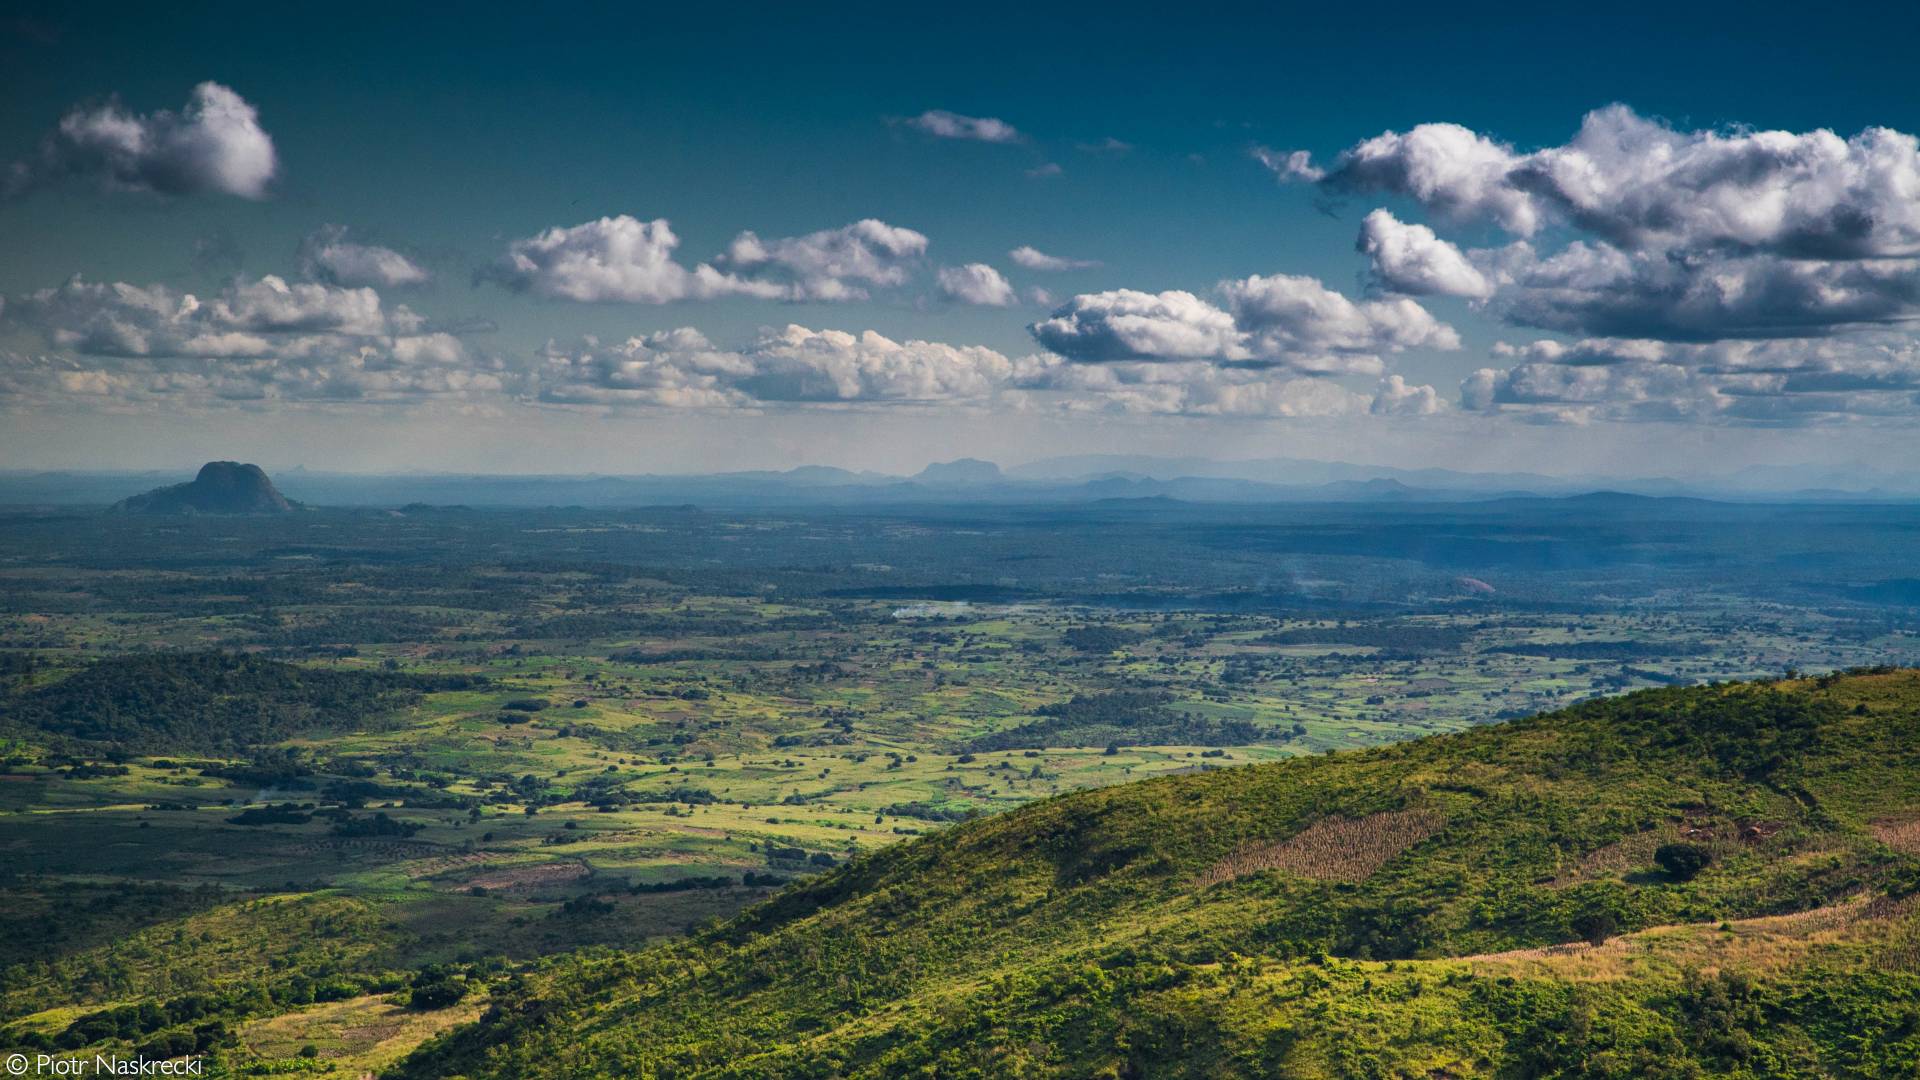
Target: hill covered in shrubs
x=1720, y=880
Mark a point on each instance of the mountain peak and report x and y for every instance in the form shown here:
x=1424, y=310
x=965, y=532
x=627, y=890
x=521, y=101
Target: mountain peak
x=221, y=487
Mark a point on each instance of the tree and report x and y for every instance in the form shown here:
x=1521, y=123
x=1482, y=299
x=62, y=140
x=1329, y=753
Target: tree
x=1683, y=862
x=437, y=995
x=1596, y=927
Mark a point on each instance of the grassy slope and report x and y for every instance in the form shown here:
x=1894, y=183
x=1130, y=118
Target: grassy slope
x=1074, y=937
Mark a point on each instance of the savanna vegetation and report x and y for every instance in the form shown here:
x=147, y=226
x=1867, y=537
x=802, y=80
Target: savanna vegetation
x=1408, y=910
x=299, y=793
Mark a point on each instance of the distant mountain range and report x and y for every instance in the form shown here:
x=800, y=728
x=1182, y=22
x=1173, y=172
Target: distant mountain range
x=1065, y=479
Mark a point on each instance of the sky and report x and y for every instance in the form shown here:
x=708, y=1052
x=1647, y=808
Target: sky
x=622, y=239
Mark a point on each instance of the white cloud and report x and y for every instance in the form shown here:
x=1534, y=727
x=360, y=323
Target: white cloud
x=1741, y=382
x=1298, y=322
x=215, y=144
x=1598, y=289
x=1682, y=235
x=976, y=283
x=1177, y=388
x=622, y=259
x=329, y=256
x=1447, y=168
x=821, y=265
x=796, y=367
x=797, y=364
x=120, y=319
x=791, y=366
x=1126, y=324
x=1276, y=321
x=1412, y=260
x=1289, y=165
x=1033, y=258
x=259, y=340
x=1642, y=185
x=614, y=259
x=1397, y=397
x=674, y=368
x=950, y=125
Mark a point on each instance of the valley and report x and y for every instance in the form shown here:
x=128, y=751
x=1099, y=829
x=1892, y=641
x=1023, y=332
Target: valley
x=293, y=769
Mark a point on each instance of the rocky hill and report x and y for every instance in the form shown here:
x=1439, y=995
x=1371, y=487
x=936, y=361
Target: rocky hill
x=222, y=487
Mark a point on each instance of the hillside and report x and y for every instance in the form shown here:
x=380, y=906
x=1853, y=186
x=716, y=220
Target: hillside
x=221, y=487
x=1744, y=856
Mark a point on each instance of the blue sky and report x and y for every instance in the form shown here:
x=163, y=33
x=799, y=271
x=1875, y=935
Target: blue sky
x=1135, y=132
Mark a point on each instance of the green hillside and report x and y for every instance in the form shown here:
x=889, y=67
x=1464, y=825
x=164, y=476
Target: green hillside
x=1708, y=881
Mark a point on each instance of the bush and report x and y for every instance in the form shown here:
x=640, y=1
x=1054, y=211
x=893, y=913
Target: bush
x=1596, y=928
x=1683, y=862
x=437, y=995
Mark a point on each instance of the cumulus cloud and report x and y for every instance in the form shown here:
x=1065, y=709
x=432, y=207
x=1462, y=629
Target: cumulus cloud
x=1873, y=376
x=1178, y=388
x=796, y=367
x=253, y=341
x=614, y=259
x=1298, y=322
x=1450, y=169
x=1126, y=324
x=1411, y=259
x=1276, y=321
x=625, y=260
x=831, y=264
x=327, y=255
x=214, y=144
x=121, y=319
x=673, y=368
x=1397, y=397
x=976, y=283
x=1033, y=258
x=1681, y=235
x=1598, y=289
x=1641, y=185
x=951, y=125
x=791, y=366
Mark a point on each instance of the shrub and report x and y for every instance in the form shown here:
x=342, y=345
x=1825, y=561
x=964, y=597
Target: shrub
x=1596, y=927
x=437, y=995
x=1683, y=862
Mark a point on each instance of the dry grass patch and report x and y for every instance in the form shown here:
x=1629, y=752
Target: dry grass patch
x=1900, y=835
x=1862, y=927
x=535, y=875
x=358, y=1037
x=1335, y=849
